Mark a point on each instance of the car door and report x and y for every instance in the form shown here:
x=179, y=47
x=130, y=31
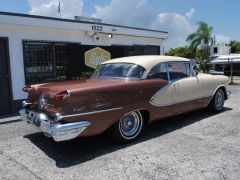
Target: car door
x=163, y=97
x=186, y=87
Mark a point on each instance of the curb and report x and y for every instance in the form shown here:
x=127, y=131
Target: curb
x=10, y=120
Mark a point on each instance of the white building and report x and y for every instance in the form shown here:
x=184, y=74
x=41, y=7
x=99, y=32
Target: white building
x=219, y=50
x=37, y=49
x=224, y=61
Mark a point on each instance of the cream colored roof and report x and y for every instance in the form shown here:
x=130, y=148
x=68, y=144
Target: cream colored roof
x=146, y=61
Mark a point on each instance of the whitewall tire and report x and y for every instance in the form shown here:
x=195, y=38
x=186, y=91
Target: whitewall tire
x=129, y=127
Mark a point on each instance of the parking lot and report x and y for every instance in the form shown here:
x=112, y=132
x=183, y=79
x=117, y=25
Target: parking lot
x=197, y=145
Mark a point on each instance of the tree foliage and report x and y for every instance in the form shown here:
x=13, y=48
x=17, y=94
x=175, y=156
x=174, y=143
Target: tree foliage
x=186, y=51
x=235, y=46
x=202, y=38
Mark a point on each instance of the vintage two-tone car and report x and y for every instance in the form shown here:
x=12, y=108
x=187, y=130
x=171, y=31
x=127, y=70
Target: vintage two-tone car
x=122, y=96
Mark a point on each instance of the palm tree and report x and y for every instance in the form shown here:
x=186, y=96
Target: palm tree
x=202, y=38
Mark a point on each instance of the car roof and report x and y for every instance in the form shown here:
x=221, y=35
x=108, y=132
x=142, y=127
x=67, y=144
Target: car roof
x=146, y=61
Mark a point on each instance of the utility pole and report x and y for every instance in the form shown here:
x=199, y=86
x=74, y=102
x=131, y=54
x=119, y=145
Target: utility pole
x=230, y=61
x=231, y=71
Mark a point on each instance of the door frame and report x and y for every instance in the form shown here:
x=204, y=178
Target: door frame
x=9, y=75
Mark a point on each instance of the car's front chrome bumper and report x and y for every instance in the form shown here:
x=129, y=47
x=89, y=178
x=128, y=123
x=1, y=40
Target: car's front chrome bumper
x=59, y=132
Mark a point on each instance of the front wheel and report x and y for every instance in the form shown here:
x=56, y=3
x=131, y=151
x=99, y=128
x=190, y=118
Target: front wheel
x=129, y=127
x=217, y=102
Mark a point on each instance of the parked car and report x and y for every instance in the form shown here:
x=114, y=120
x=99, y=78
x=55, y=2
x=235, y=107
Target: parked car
x=123, y=95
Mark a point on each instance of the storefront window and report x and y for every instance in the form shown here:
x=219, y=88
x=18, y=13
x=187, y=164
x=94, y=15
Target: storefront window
x=45, y=62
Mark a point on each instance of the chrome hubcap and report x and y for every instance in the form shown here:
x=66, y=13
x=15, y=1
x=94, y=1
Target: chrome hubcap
x=219, y=100
x=130, y=124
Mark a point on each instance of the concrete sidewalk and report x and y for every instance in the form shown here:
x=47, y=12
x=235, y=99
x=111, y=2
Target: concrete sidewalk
x=8, y=118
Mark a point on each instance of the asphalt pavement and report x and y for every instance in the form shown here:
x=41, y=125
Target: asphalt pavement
x=197, y=145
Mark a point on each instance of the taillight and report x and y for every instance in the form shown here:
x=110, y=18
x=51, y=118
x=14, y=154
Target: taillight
x=62, y=95
x=27, y=88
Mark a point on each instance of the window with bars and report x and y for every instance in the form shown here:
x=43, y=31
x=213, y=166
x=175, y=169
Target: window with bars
x=45, y=61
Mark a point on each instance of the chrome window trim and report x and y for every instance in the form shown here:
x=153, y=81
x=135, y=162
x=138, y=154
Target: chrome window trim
x=145, y=74
x=169, y=80
x=59, y=117
x=191, y=69
x=123, y=78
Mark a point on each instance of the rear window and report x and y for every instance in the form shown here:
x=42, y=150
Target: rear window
x=119, y=70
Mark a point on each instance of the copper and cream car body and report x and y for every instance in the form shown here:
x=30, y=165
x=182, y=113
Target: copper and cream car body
x=122, y=96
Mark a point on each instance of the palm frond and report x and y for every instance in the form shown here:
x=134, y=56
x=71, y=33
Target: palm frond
x=203, y=34
x=192, y=36
x=195, y=43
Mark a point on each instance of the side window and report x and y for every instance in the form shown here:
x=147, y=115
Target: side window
x=178, y=70
x=158, y=72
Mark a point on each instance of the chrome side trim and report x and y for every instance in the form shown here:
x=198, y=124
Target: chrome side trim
x=25, y=104
x=157, y=105
x=193, y=99
x=60, y=117
x=178, y=102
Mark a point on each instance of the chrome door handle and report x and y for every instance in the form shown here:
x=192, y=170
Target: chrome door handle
x=175, y=86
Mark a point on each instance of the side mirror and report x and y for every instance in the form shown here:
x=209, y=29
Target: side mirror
x=195, y=69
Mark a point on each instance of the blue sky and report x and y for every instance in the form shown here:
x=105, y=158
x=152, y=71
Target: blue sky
x=170, y=15
x=222, y=15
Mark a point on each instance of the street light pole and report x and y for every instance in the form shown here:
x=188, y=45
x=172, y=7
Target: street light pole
x=231, y=71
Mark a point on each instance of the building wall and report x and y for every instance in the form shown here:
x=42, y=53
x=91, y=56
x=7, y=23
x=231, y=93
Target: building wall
x=18, y=33
x=221, y=50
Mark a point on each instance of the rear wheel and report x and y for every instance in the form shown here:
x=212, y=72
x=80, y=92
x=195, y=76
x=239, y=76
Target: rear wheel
x=129, y=127
x=217, y=102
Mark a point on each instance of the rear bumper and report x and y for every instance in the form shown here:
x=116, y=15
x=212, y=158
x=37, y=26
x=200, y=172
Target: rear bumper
x=59, y=132
x=228, y=92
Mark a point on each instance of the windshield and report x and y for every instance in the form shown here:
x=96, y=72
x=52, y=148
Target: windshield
x=119, y=70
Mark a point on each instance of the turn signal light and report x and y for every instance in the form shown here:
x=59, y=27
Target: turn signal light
x=27, y=88
x=62, y=95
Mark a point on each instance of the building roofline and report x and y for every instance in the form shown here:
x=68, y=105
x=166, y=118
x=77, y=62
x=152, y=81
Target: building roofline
x=74, y=21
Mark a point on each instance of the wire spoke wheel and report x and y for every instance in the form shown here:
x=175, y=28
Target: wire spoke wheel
x=219, y=100
x=130, y=126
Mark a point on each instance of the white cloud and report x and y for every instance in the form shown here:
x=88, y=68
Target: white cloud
x=131, y=13
x=137, y=13
x=177, y=25
x=190, y=13
x=69, y=8
x=221, y=39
